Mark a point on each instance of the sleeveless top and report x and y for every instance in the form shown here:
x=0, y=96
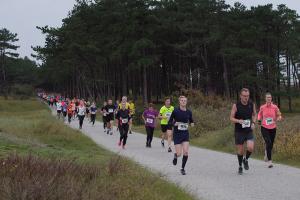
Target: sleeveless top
x=245, y=113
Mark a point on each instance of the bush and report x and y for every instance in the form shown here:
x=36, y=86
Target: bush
x=21, y=91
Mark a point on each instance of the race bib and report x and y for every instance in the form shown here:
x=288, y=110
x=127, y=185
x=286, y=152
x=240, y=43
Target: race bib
x=111, y=110
x=246, y=123
x=93, y=113
x=104, y=114
x=168, y=114
x=150, y=121
x=124, y=121
x=269, y=121
x=182, y=126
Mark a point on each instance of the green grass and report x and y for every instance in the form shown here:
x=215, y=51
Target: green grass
x=27, y=129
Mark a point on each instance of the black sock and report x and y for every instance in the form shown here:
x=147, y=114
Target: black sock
x=175, y=159
x=240, y=159
x=184, y=160
x=248, y=154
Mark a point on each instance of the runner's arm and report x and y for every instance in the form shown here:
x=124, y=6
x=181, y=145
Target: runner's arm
x=254, y=115
x=191, y=120
x=232, y=115
x=278, y=114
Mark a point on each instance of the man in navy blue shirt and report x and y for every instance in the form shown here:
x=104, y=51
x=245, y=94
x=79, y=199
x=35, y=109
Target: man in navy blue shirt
x=180, y=119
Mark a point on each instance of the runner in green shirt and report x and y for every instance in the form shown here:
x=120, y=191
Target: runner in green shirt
x=165, y=113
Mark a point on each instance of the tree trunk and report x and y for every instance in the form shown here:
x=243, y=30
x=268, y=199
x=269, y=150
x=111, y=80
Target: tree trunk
x=145, y=93
x=225, y=77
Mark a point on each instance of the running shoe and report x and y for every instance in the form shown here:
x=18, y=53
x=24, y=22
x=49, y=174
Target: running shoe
x=240, y=170
x=174, y=161
x=182, y=172
x=270, y=164
x=119, y=143
x=169, y=150
x=246, y=165
x=162, y=143
x=130, y=132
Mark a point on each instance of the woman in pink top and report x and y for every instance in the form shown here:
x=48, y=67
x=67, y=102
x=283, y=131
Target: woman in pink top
x=268, y=115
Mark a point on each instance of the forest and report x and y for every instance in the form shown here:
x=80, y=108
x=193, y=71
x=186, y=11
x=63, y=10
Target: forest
x=151, y=49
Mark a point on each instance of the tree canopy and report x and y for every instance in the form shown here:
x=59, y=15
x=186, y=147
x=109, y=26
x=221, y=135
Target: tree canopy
x=152, y=48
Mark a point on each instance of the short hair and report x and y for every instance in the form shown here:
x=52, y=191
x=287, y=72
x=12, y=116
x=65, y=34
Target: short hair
x=167, y=98
x=182, y=96
x=268, y=93
x=150, y=105
x=244, y=90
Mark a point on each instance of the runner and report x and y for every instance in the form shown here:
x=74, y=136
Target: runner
x=81, y=113
x=124, y=101
x=243, y=115
x=70, y=111
x=104, y=118
x=64, y=109
x=58, y=109
x=165, y=113
x=181, y=118
x=110, y=109
x=93, y=110
x=268, y=115
x=132, y=113
x=51, y=101
x=73, y=108
x=123, y=118
x=149, y=117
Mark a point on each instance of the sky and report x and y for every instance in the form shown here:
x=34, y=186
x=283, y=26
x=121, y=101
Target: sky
x=22, y=17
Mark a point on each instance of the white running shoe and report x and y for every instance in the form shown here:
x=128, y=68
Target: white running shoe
x=270, y=164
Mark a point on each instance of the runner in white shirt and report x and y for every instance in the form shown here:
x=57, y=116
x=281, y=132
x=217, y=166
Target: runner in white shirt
x=81, y=113
x=58, y=109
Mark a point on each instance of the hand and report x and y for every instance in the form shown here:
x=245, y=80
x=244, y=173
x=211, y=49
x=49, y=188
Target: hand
x=176, y=124
x=279, y=118
x=240, y=121
x=252, y=126
x=192, y=124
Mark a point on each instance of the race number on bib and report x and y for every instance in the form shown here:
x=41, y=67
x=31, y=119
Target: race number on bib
x=150, y=121
x=124, y=121
x=110, y=110
x=168, y=114
x=246, y=123
x=182, y=126
x=269, y=121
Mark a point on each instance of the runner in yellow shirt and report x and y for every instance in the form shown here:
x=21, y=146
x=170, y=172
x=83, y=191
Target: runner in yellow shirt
x=165, y=113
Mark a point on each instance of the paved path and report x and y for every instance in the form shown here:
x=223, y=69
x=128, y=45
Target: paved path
x=210, y=175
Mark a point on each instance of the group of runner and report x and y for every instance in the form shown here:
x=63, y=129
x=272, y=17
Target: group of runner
x=243, y=115
x=175, y=123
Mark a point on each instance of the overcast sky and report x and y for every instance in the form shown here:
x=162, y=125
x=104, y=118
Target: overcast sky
x=22, y=17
